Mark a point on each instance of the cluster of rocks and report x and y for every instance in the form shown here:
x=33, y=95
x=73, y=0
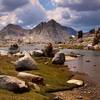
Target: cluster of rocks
x=94, y=40
x=46, y=52
x=21, y=84
x=18, y=85
x=91, y=47
x=26, y=62
x=96, y=37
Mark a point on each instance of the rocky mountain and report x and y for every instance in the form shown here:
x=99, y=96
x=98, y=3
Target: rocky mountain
x=51, y=31
x=13, y=30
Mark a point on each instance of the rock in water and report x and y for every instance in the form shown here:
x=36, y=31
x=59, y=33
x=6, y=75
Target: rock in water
x=14, y=49
x=30, y=77
x=75, y=81
x=59, y=58
x=12, y=83
x=38, y=53
x=26, y=63
x=72, y=54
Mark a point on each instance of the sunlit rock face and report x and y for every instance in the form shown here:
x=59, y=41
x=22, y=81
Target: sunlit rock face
x=59, y=58
x=13, y=30
x=75, y=81
x=51, y=31
x=38, y=53
x=26, y=63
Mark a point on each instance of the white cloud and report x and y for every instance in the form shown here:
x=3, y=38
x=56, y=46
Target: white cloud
x=84, y=14
x=11, y=5
x=27, y=15
x=78, y=5
x=66, y=1
x=76, y=13
x=10, y=18
x=32, y=13
x=62, y=15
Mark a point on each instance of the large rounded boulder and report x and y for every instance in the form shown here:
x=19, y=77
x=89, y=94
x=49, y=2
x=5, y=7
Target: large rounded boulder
x=26, y=63
x=12, y=84
x=59, y=58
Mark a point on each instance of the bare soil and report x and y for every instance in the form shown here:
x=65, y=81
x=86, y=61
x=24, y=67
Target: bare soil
x=87, y=92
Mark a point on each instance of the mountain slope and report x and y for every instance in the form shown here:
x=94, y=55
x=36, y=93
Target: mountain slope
x=51, y=32
x=13, y=30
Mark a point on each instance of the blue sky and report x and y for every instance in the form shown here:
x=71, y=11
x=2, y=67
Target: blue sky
x=79, y=14
x=47, y=4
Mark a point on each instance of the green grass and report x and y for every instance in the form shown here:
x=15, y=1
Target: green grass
x=55, y=77
x=71, y=46
x=6, y=95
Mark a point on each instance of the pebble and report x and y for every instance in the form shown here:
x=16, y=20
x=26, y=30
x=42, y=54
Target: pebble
x=89, y=92
x=87, y=60
x=80, y=97
x=56, y=98
x=46, y=63
x=74, y=66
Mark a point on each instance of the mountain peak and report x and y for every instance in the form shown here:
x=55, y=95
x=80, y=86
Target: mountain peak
x=13, y=26
x=14, y=30
x=52, y=31
x=53, y=23
x=52, y=20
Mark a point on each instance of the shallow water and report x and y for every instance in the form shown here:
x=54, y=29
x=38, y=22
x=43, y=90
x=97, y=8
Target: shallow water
x=88, y=64
x=26, y=47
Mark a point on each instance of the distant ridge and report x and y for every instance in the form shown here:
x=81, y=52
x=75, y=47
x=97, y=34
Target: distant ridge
x=50, y=31
x=14, y=30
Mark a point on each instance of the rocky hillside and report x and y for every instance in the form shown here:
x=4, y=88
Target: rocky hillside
x=13, y=30
x=51, y=31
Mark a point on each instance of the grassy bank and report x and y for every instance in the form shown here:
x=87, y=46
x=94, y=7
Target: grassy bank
x=55, y=77
x=71, y=46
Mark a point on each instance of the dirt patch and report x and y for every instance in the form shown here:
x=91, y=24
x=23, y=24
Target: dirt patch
x=88, y=92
